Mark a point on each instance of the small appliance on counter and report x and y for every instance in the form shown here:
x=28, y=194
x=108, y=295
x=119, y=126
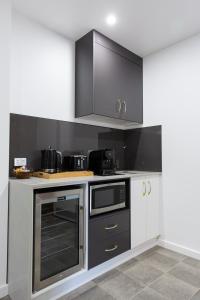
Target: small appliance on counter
x=75, y=162
x=102, y=162
x=51, y=160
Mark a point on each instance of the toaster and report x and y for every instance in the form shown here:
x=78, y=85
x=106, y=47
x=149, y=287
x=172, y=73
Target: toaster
x=75, y=162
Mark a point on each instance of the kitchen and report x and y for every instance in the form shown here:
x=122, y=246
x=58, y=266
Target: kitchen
x=155, y=149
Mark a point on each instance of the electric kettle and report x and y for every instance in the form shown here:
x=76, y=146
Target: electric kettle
x=51, y=160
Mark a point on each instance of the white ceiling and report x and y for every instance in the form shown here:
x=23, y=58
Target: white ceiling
x=143, y=26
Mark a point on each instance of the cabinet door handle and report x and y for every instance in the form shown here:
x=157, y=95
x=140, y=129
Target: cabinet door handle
x=124, y=104
x=149, y=183
x=112, y=249
x=144, y=188
x=111, y=227
x=119, y=105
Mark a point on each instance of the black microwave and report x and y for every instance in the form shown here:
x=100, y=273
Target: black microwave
x=108, y=196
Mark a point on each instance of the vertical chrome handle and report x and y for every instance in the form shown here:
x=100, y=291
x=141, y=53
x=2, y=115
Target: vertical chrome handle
x=119, y=105
x=149, y=183
x=144, y=188
x=124, y=104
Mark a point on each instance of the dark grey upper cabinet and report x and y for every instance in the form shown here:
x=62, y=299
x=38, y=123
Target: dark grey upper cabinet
x=109, y=80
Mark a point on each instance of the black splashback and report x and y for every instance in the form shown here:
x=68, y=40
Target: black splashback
x=144, y=149
x=29, y=135
x=135, y=149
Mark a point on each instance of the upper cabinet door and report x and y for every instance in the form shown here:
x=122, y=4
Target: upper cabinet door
x=132, y=91
x=108, y=80
x=117, y=85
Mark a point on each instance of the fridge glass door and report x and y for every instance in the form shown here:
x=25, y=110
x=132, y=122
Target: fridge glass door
x=58, y=236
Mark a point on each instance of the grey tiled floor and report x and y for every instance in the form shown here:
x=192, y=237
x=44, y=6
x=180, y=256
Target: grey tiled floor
x=158, y=274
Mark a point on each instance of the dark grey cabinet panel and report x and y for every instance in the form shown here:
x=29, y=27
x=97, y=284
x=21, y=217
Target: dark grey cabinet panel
x=108, y=236
x=107, y=249
x=109, y=80
x=108, y=225
x=107, y=83
x=132, y=91
x=84, y=71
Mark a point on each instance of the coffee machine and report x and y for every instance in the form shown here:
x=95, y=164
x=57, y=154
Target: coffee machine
x=102, y=162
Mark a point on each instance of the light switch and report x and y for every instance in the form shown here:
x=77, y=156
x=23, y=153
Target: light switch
x=20, y=162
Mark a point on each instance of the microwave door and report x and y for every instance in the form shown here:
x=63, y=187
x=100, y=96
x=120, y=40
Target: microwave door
x=107, y=197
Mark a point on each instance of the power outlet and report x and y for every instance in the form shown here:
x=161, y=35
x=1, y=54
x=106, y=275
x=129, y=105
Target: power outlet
x=20, y=162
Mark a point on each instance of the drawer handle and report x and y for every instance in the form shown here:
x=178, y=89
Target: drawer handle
x=111, y=227
x=112, y=249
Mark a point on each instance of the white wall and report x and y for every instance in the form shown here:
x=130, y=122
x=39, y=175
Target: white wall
x=172, y=98
x=43, y=72
x=42, y=81
x=5, y=27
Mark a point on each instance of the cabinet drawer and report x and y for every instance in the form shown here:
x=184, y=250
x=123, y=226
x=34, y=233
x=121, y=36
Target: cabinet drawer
x=100, y=252
x=104, y=227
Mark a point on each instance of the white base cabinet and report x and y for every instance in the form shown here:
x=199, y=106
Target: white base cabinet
x=145, y=207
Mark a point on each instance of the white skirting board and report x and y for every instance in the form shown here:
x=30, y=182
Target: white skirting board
x=3, y=290
x=179, y=248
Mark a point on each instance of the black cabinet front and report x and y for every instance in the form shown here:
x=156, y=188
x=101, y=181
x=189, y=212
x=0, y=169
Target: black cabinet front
x=108, y=83
x=108, y=236
x=117, y=86
x=108, y=249
x=109, y=79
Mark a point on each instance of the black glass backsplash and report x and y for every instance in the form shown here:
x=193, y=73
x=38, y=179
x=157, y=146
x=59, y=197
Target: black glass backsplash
x=144, y=149
x=137, y=149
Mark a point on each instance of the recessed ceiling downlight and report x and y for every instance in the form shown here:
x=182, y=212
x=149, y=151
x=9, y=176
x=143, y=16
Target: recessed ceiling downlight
x=111, y=20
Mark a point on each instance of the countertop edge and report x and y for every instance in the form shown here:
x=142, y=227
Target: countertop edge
x=36, y=183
